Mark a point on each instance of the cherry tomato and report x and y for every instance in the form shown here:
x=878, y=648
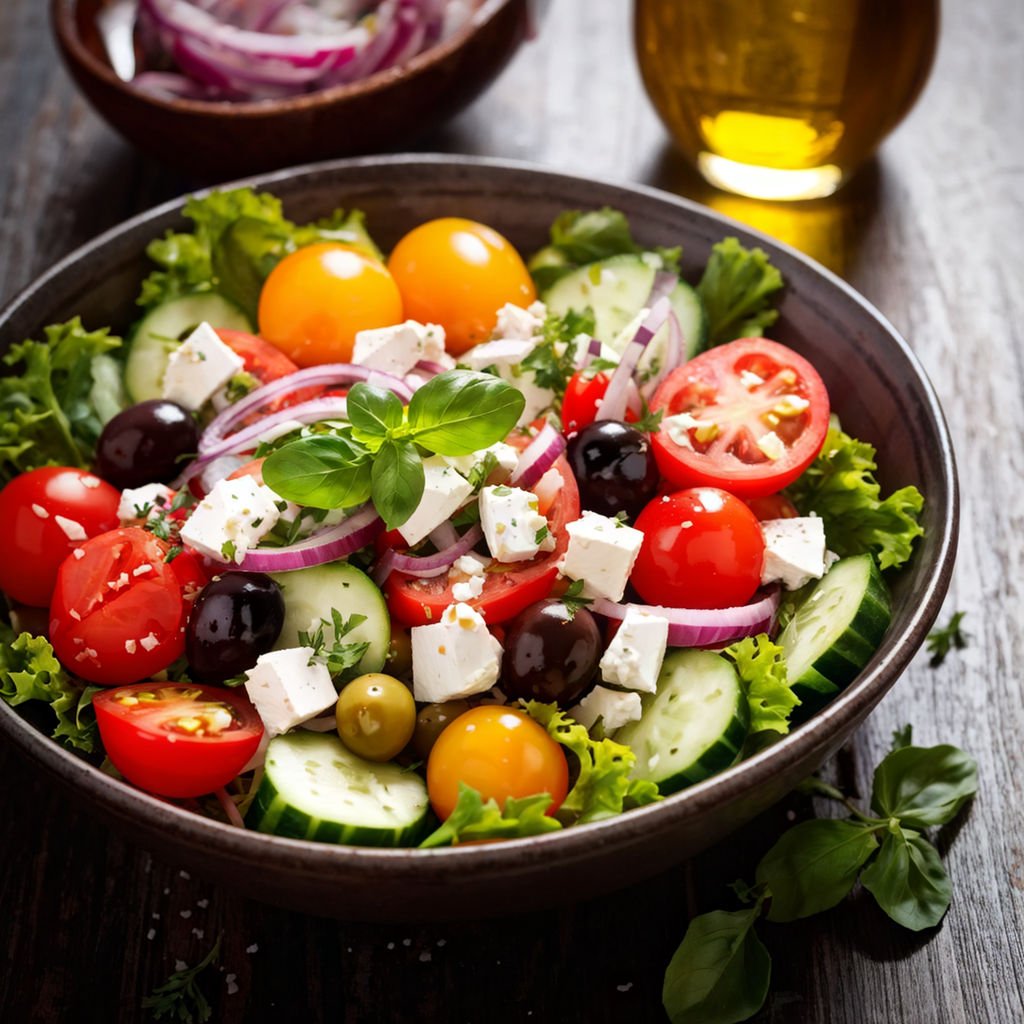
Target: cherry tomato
x=500, y=752
x=417, y=602
x=583, y=396
x=177, y=739
x=319, y=297
x=702, y=548
x=762, y=413
x=261, y=359
x=119, y=608
x=44, y=514
x=458, y=273
x=773, y=506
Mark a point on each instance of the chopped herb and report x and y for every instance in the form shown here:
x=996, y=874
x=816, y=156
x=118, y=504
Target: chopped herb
x=180, y=998
x=172, y=553
x=649, y=421
x=479, y=474
x=239, y=386
x=229, y=550
x=339, y=658
x=573, y=598
x=541, y=535
x=141, y=511
x=944, y=639
x=501, y=491
x=257, y=521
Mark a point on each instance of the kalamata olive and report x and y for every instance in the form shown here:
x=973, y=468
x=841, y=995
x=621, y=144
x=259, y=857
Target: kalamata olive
x=145, y=444
x=551, y=654
x=431, y=721
x=614, y=467
x=237, y=617
x=399, y=660
x=376, y=716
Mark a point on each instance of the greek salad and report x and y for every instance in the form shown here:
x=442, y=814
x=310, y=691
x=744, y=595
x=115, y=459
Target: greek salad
x=432, y=547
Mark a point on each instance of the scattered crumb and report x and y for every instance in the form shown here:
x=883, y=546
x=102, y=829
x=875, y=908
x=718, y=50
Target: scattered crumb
x=180, y=965
x=441, y=942
x=198, y=932
x=203, y=904
x=156, y=916
x=167, y=892
x=425, y=957
x=150, y=934
x=232, y=986
x=406, y=942
x=184, y=874
x=624, y=988
x=186, y=914
x=391, y=945
x=790, y=815
x=254, y=948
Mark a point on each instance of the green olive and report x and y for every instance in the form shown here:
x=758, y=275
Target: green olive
x=432, y=721
x=399, y=662
x=376, y=716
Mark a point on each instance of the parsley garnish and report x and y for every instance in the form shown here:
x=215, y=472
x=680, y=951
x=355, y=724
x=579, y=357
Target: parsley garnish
x=180, y=998
x=541, y=535
x=573, y=598
x=942, y=640
x=228, y=550
x=553, y=360
x=479, y=474
x=338, y=657
x=172, y=553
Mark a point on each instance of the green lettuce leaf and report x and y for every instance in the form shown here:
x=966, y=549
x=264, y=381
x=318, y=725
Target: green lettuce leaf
x=59, y=395
x=840, y=486
x=762, y=669
x=737, y=289
x=29, y=671
x=474, y=819
x=603, y=787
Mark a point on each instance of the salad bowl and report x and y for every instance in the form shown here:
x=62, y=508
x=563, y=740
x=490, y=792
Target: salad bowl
x=880, y=392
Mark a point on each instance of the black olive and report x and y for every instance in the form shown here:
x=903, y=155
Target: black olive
x=146, y=443
x=614, y=468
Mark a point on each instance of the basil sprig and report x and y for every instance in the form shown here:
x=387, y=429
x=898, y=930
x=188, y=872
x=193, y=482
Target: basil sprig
x=381, y=457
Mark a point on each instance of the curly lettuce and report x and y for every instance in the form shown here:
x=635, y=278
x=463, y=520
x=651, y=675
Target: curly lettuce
x=737, y=289
x=761, y=666
x=474, y=819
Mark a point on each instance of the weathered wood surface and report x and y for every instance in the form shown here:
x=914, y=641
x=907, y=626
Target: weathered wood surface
x=932, y=234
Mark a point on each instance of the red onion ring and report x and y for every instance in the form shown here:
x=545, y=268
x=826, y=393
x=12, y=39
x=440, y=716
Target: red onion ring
x=426, y=566
x=613, y=405
x=538, y=457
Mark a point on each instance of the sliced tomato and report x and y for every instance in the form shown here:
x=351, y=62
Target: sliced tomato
x=266, y=363
x=761, y=413
x=583, y=396
x=773, y=506
x=177, y=740
x=508, y=589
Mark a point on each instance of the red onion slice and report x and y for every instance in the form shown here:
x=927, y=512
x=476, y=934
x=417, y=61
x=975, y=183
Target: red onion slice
x=538, y=457
x=674, y=352
x=613, y=405
x=426, y=566
x=429, y=366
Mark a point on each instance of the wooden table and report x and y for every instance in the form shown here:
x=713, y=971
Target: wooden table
x=932, y=234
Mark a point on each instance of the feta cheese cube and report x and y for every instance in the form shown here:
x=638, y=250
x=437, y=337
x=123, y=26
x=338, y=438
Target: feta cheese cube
x=397, y=349
x=613, y=707
x=506, y=456
x=455, y=657
x=444, y=492
x=601, y=552
x=517, y=324
x=794, y=551
x=199, y=367
x=538, y=400
x=286, y=689
x=143, y=502
x=633, y=658
x=231, y=519
x=513, y=528
x=503, y=353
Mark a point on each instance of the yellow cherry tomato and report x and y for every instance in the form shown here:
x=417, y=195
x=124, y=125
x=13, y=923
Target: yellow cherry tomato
x=500, y=752
x=458, y=273
x=318, y=297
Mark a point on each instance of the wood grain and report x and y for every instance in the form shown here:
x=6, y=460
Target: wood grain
x=933, y=234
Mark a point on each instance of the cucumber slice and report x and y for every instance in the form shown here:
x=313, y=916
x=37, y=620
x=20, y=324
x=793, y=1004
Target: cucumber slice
x=694, y=726
x=616, y=290
x=158, y=334
x=836, y=630
x=314, y=787
x=309, y=596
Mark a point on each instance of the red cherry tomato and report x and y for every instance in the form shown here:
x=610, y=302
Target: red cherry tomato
x=44, y=514
x=762, y=412
x=702, y=548
x=583, y=396
x=119, y=609
x=773, y=506
x=177, y=740
x=500, y=752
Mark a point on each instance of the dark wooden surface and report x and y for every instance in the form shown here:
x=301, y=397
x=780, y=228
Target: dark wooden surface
x=932, y=234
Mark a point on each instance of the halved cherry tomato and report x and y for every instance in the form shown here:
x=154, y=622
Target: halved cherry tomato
x=119, y=608
x=762, y=412
x=44, y=515
x=702, y=548
x=177, y=739
x=500, y=752
x=507, y=591
x=773, y=506
x=583, y=396
x=263, y=360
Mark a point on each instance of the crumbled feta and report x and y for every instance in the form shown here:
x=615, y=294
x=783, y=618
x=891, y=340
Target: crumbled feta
x=513, y=528
x=505, y=353
x=772, y=446
x=466, y=590
x=633, y=658
x=613, y=707
x=444, y=493
x=601, y=552
x=71, y=528
x=794, y=551
x=231, y=519
x=679, y=426
x=507, y=458
x=517, y=324
x=471, y=564
x=455, y=657
x=397, y=349
x=287, y=690
x=149, y=642
x=40, y=512
x=199, y=367
x=143, y=502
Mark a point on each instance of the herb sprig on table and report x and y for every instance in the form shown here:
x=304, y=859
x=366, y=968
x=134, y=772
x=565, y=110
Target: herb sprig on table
x=180, y=998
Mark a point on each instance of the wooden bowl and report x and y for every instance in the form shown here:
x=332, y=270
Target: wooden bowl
x=878, y=388
x=387, y=110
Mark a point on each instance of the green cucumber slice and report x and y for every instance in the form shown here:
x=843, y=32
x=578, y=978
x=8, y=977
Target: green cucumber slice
x=315, y=788
x=694, y=726
x=836, y=630
x=309, y=596
x=158, y=334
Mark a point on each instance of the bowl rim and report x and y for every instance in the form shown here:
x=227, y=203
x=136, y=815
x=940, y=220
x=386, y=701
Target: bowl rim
x=308, y=858
x=63, y=14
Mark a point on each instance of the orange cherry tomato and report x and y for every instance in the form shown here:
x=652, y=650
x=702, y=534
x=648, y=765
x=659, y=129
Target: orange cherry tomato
x=458, y=273
x=316, y=300
x=500, y=752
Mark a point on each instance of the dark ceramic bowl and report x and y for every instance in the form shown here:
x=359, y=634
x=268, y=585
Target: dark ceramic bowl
x=387, y=110
x=879, y=390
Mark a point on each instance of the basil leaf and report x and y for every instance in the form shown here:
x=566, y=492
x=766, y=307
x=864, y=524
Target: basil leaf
x=720, y=972
x=908, y=880
x=460, y=411
x=322, y=472
x=372, y=411
x=924, y=786
x=813, y=866
x=397, y=482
